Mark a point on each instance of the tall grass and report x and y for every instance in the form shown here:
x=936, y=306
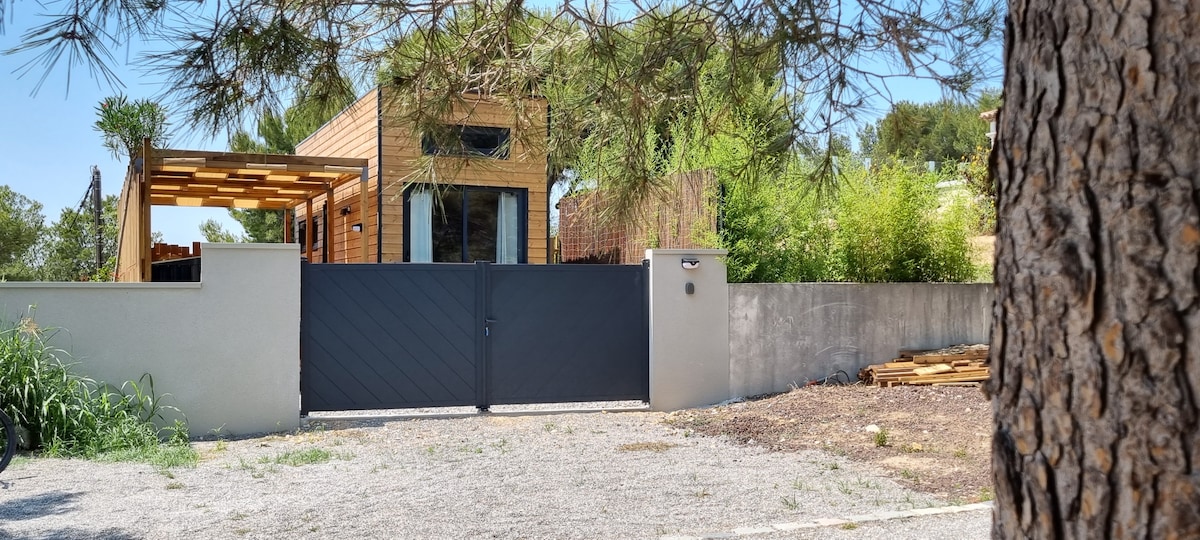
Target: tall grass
x=70, y=415
x=890, y=224
x=893, y=224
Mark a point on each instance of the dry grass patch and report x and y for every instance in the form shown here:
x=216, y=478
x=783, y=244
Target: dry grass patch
x=657, y=446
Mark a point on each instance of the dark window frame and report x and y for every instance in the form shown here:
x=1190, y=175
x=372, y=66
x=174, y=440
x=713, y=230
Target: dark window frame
x=464, y=191
x=500, y=150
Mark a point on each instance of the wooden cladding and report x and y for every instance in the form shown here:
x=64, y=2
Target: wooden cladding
x=396, y=158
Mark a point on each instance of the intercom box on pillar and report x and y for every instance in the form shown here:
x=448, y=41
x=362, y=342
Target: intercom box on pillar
x=689, y=328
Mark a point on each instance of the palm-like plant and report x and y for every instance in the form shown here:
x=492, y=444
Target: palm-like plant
x=125, y=123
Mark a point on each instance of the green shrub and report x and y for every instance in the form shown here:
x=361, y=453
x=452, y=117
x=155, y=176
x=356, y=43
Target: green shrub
x=893, y=224
x=887, y=225
x=70, y=415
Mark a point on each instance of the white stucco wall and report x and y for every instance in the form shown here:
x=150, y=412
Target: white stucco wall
x=227, y=349
x=689, y=333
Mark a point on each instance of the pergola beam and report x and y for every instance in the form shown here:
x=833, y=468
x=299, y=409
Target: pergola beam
x=233, y=180
x=248, y=160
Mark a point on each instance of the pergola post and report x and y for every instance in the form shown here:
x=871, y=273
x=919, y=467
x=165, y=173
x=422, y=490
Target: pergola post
x=144, y=209
x=308, y=230
x=287, y=231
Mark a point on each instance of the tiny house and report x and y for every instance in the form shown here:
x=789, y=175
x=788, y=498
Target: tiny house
x=485, y=199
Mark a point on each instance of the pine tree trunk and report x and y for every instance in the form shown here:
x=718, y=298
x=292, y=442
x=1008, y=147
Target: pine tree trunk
x=1096, y=339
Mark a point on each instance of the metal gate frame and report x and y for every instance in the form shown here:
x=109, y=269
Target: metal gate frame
x=348, y=320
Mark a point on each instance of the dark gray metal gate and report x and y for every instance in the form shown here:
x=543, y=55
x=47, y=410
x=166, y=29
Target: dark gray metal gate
x=380, y=336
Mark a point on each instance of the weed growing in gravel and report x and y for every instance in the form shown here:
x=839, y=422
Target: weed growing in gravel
x=849, y=526
x=833, y=466
x=908, y=474
x=174, y=485
x=829, y=448
x=161, y=457
x=961, y=453
x=310, y=456
x=799, y=485
x=657, y=446
x=502, y=446
x=985, y=494
x=790, y=502
x=868, y=484
x=881, y=437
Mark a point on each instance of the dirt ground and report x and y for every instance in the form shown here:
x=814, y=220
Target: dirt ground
x=932, y=439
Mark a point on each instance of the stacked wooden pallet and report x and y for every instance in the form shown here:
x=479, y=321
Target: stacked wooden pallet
x=961, y=365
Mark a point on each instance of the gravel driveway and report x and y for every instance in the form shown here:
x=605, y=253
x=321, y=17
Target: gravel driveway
x=593, y=475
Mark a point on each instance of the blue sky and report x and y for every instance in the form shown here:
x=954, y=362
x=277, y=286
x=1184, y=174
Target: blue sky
x=48, y=145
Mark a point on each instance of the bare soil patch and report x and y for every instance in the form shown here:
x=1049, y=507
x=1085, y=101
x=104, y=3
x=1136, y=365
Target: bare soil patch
x=932, y=439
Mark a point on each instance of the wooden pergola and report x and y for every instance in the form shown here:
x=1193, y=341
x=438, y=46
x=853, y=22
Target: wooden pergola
x=223, y=180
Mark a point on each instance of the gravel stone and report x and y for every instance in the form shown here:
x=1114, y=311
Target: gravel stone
x=560, y=476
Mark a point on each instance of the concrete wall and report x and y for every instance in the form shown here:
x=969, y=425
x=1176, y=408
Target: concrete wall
x=227, y=349
x=689, y=333
x=789, y=333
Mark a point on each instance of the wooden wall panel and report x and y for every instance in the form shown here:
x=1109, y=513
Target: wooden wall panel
x=355, y=133
x=352, y=133
x=524, y=169
x=129, y=230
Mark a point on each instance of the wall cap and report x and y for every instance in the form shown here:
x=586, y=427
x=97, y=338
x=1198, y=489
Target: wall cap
x=205, y=246
x=688, y=251
x=97, y=285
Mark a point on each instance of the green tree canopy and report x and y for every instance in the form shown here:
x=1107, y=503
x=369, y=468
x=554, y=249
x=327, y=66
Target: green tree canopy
x=69, y=252
x=21, y=226
x=214, y=232
x=280, y=135
x=628, y=65
x=944, y=131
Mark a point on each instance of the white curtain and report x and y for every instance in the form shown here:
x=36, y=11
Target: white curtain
x=420, y=223
x=506, y=235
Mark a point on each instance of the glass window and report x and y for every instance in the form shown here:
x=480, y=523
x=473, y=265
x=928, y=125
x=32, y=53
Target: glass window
x=464, y=224
x=477, y=141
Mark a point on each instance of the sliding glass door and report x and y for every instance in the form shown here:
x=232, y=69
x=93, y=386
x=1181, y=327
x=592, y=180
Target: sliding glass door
x=464, y=224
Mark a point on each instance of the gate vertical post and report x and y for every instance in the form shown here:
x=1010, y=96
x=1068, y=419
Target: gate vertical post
x=304, y=322
x=482, y=320
x=689, y=328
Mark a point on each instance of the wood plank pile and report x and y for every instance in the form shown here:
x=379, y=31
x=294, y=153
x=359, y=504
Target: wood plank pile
x=166, y=252
x=960, y=365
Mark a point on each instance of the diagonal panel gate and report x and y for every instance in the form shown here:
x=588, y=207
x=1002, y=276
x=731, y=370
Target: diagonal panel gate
x=376, y=336
x=379, y=336
x=568, y=333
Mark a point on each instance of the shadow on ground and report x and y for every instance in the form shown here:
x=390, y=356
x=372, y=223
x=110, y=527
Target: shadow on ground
x=71, y=533
x=46, y=504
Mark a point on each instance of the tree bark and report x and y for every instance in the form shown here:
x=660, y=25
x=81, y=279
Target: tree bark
x=1096, y=338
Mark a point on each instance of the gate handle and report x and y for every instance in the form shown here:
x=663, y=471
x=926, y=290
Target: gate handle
x=487, y=329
